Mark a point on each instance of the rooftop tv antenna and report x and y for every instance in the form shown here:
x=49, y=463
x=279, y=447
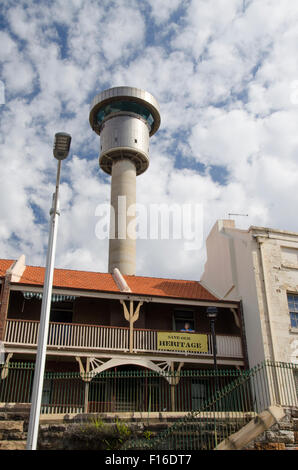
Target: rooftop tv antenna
x=238, y=215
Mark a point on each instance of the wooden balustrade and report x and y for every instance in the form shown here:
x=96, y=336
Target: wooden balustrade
x=77, y=336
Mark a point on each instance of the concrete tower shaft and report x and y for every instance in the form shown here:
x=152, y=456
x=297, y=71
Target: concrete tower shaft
x=125, y=118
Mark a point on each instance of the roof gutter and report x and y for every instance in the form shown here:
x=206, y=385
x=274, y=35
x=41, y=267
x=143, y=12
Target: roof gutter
x=130, y=296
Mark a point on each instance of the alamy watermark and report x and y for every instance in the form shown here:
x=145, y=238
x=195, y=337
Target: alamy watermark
x=153, y=222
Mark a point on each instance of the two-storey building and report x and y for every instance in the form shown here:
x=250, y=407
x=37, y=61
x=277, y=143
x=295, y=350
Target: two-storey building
x=102, y=321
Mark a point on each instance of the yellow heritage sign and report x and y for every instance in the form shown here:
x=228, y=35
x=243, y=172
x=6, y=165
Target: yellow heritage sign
x=182, y=342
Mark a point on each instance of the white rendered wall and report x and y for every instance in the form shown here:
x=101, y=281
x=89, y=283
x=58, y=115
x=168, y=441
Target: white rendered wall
x=259, y=267
x=229, y=272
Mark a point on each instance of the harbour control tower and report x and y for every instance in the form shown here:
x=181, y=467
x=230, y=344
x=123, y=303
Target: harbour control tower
x=125, y=118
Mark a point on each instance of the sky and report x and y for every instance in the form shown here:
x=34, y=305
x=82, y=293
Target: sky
x=225, y=73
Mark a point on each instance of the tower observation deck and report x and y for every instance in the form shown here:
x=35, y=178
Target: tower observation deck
x=125, y=118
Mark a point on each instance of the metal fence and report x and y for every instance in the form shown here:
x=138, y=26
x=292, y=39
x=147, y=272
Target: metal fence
x=229, y=408
x=120, y=391
x=215, y=403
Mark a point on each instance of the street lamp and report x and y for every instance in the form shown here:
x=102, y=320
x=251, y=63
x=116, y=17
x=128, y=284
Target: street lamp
x=212, y=315
x=60, y=151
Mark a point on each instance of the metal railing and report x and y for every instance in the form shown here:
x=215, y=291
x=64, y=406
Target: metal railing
x=77, y=336
x=147, y=391
x=229, y=408
x=214, y=404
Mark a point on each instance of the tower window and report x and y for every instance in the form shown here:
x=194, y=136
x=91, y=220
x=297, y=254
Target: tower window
x=136, y=140
x=123, y=105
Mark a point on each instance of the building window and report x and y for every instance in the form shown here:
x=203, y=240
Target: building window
x=61, y=312
x=293, y=309
x=181, y=317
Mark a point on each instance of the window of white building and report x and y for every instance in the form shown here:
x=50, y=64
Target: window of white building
x=293, y=309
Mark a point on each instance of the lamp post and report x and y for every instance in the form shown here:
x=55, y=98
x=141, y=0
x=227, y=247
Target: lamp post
x=60, y=151
x=212, y=315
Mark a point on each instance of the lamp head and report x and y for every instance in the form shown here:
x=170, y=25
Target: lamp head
x=212, y=313
x=61, y=145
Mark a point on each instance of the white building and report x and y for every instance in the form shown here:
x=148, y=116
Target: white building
x=258, y=266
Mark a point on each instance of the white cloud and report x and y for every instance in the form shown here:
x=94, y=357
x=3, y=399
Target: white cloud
x=161, y=10
x=223, y=77
x=225, y=138
x=10, y=46
x=205, y=20
x=19, y=23
x=18, y=76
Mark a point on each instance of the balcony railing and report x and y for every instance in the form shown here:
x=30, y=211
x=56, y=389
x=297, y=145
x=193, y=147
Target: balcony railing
x=77, y=336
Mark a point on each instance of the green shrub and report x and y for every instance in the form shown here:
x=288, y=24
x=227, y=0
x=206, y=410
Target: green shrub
x=148, y=435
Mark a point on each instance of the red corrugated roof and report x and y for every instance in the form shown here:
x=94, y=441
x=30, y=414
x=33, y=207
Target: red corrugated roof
x=4, y=265
x=104, y=282
x=168, y=288
x=71, y=279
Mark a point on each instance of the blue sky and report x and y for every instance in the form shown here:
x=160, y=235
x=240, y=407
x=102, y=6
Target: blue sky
x=225, y=75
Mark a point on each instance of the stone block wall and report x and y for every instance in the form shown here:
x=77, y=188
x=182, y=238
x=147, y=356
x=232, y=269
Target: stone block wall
x=73, y=434
x=281, y=436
